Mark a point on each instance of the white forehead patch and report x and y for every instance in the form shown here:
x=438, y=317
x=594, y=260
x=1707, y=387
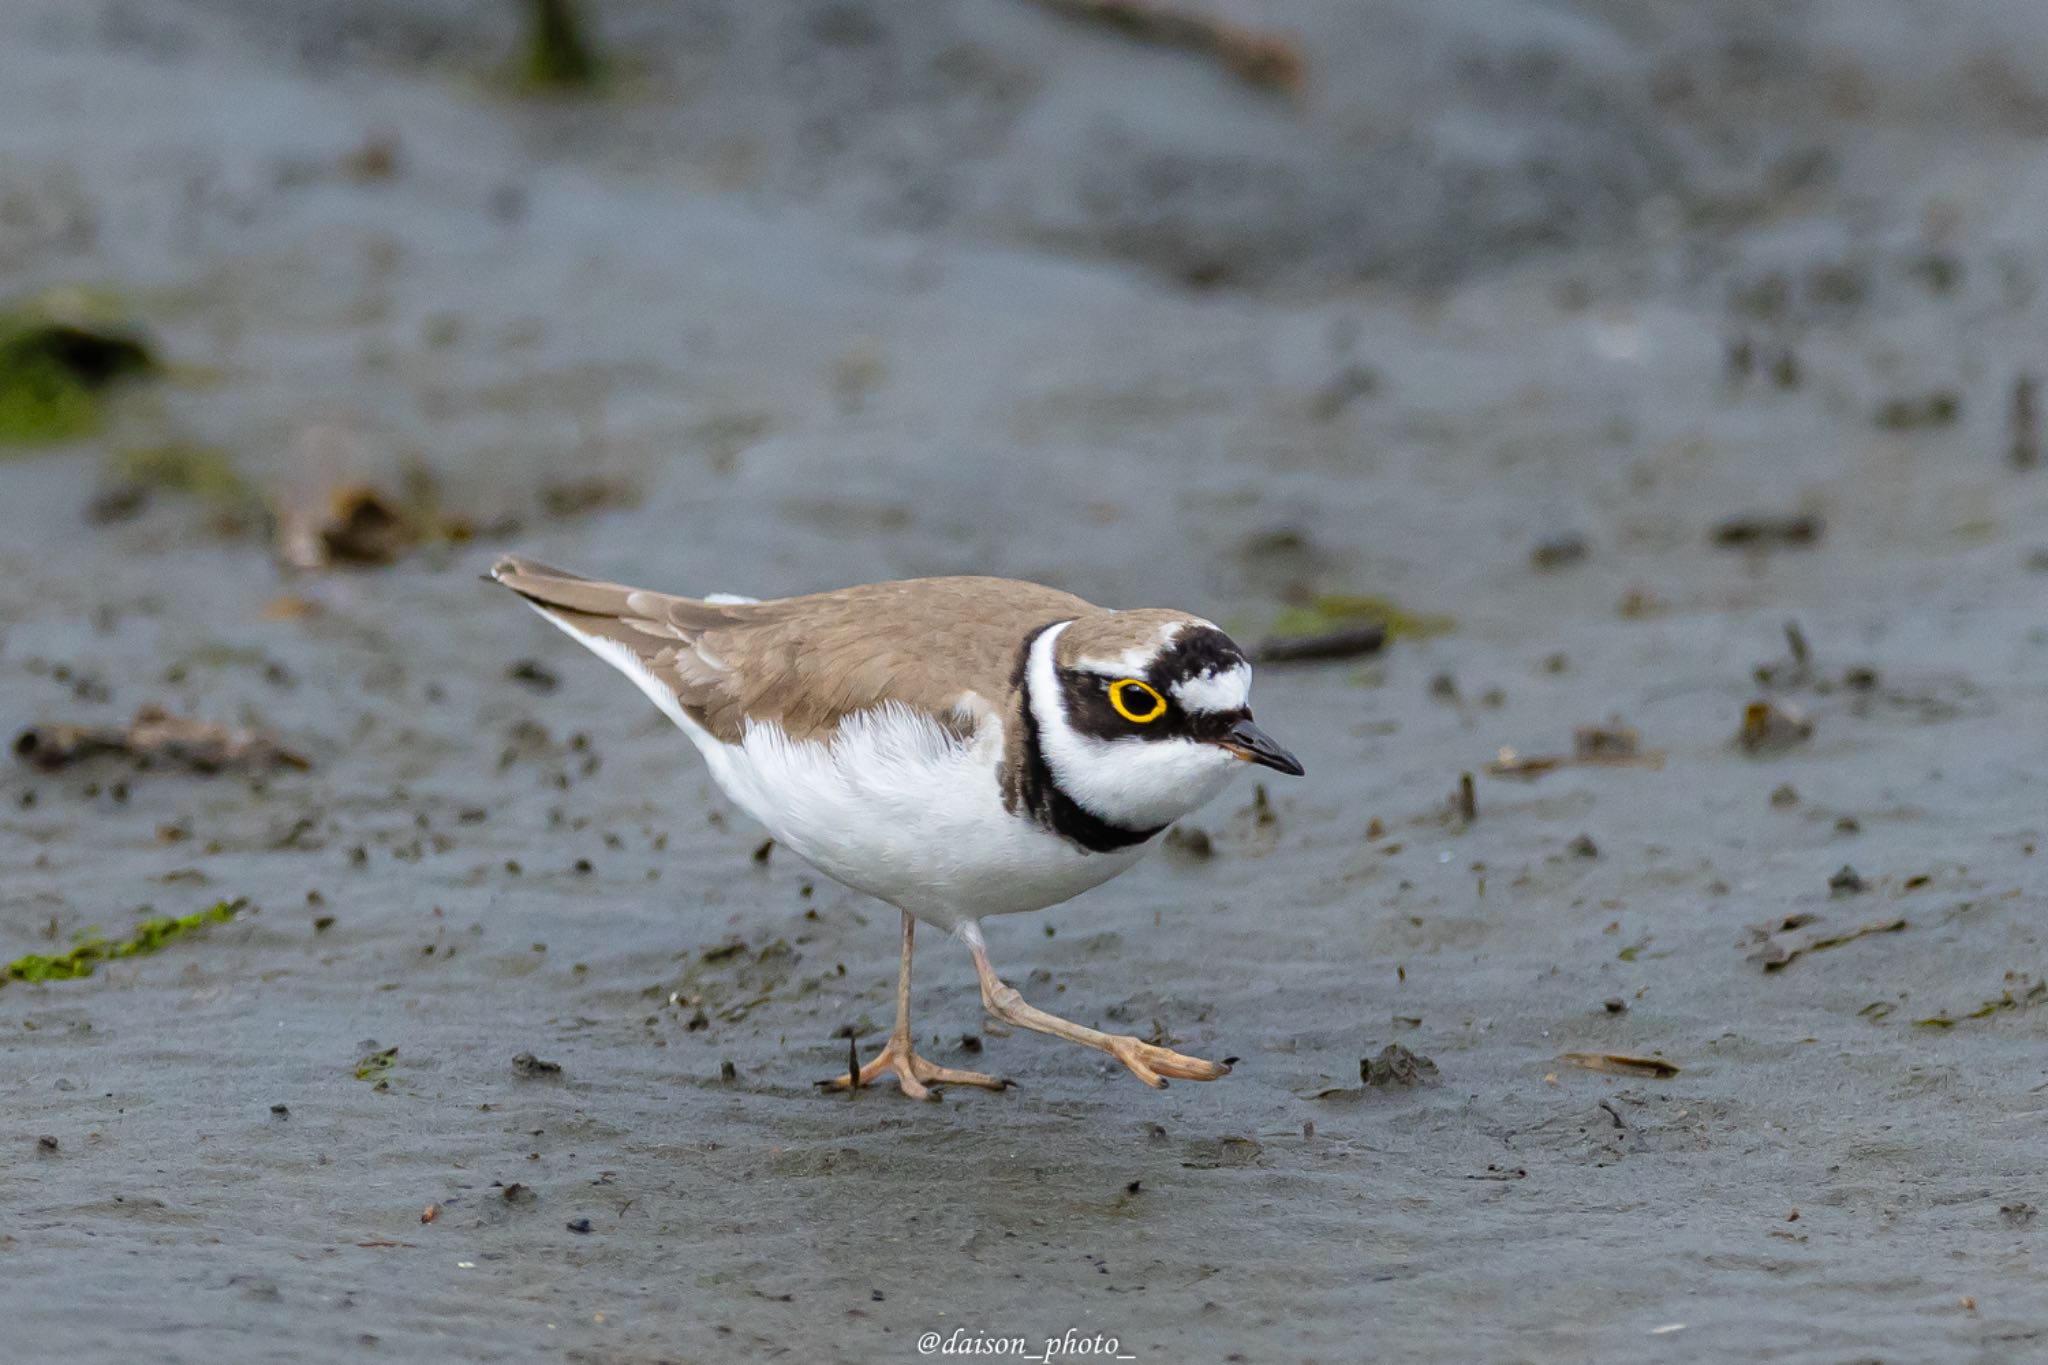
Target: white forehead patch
x=1134, y=660
x=1228, y=689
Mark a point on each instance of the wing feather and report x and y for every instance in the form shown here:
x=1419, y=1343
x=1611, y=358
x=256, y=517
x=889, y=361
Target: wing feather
x=943, y=646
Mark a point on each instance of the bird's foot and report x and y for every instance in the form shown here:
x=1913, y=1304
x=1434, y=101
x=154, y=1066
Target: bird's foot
x=1154, y=1065
x=914, y=1075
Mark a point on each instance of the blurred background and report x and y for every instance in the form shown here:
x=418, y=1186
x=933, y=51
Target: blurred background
x=1663, y=377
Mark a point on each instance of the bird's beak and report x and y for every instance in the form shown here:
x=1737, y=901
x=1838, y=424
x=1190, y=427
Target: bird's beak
x=1254, y=745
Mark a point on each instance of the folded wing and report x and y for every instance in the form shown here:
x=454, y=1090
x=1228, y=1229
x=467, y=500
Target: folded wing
x=943, y=646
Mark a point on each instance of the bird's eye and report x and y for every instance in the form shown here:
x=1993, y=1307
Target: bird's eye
x=1136, y=701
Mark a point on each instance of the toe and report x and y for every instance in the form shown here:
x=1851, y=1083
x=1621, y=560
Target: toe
x=1181, y=1067
x=1139, y=1066
x=946, y=1075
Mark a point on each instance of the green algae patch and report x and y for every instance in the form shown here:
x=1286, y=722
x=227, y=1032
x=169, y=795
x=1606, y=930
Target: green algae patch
x=59, y=355
x=1338, y=610
x=376, y=1067
x=2024, y=999
x=557, y=55
x=93, y=948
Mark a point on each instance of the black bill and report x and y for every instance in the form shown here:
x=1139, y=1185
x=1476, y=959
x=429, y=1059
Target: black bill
x=1254, y=745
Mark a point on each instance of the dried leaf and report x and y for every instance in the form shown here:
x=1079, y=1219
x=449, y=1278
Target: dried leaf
x=1771, y=726
x=1261, y=59
x=156, y=736
x=1621, y=1064
x=1775, y=957
x=1594, y=746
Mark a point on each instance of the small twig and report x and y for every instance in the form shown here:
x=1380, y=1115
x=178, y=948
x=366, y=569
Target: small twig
x=1262, y=59
x=1795, y=640
x=2026, y=435
x=852, y=1064
x=1346, y=643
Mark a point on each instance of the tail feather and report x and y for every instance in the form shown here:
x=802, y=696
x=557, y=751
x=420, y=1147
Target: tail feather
x=651, y=637
x=546, y=586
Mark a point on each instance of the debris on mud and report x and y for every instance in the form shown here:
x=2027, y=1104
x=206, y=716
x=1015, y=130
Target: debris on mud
x=157, y=737
x=721, y=952
x=1616, y=741
x=89, y=951
x=1614, y=744
x=1767, y=531
x=1772, y=727
x=2028, y=995
x=1775, y=956
x=1622, y=1064
x=1398, y=1067
x=1935, y=408
x=1343, y=642
x=1223, y=1153
x=1793, y=671
x=2025, y=451
x=1558, y=552
x=1263, y=59
x=1191, y=843
x=576, y=497
x=375, y=1064
x=1640, y=604
x=357, y=525
x=534, y=674
x=1784, y=925
x=1465, y=801
x=376, y=158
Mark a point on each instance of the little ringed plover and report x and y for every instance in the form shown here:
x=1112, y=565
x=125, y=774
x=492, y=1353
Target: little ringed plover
x=956, y=747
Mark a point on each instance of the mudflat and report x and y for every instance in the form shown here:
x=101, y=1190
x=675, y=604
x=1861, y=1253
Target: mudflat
x=1717, y=1038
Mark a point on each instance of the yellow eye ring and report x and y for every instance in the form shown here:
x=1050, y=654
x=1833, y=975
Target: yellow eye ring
x=1122, y=686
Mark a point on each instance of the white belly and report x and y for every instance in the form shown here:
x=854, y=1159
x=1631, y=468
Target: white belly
x=896, y=807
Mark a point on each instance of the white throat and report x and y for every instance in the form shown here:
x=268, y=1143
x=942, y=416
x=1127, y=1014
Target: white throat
x=1134, y=783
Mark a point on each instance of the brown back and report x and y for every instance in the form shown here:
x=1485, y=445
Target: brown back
x=806, y=663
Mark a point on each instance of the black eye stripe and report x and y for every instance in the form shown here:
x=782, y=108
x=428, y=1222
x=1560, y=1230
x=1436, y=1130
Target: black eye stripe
x=1194, y=653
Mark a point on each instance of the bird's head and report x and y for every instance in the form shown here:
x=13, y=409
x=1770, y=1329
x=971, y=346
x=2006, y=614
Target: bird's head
x=1144, y=715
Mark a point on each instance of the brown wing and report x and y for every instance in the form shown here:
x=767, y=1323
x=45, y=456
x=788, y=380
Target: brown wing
x=806, y=663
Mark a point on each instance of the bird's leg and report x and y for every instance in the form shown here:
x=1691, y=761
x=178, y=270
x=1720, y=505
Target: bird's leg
x=1148, y=1062
x=914, y=1075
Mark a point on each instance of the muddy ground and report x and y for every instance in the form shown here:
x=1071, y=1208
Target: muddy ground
x=817, y=294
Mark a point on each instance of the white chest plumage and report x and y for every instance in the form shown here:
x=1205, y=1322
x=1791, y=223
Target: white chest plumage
x=898, y=808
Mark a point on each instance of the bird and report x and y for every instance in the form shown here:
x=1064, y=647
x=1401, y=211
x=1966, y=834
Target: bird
x=956, y=747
